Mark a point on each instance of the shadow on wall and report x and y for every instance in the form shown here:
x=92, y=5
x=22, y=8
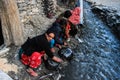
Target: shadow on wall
x=1, y=35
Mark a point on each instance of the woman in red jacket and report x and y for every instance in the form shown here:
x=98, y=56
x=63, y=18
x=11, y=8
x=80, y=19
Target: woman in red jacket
x=34, y=49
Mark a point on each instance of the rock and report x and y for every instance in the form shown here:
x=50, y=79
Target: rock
x=4, y=50
x=110, y=16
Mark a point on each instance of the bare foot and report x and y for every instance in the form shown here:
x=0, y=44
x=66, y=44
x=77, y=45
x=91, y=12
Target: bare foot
x=31, y=72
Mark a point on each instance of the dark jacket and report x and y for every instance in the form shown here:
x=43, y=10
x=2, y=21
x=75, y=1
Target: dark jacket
x=57, y=30
x=38, y=44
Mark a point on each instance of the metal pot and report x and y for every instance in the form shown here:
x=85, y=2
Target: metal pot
x=51, y=65
x=65, y=53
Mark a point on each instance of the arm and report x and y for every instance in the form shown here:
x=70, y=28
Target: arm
x=57, y=59
x=50, y=54
x=58, y=40
x=67, y=30
x=67, y=33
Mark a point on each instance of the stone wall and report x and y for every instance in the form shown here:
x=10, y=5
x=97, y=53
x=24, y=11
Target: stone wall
x=32, y=17
x=28, y=8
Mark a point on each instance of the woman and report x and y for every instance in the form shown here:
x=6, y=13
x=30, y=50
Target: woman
x=34, y=49
x=58, y=27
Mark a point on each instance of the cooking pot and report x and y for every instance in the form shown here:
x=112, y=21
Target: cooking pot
x=51, y=64
x=65, y=53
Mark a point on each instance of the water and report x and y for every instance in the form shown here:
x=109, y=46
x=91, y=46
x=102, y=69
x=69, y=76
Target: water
x=98, y=56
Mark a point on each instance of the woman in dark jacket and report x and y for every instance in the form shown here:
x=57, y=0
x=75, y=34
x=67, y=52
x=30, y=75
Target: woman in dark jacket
x=34, y=49
x=58, y=28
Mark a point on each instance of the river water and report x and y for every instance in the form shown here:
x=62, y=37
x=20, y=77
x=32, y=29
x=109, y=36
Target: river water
x=98, y=56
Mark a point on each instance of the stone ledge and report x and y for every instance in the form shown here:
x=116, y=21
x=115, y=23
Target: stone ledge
x=110, y=16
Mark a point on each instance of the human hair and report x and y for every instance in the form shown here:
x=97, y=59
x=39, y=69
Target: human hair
x=67, y=14
x=49, y=31
x=63, y=22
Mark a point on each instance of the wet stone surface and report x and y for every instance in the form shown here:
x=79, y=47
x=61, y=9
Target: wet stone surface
x=98, y=56
x=109, y=16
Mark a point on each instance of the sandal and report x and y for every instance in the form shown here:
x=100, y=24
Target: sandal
x=31, y=72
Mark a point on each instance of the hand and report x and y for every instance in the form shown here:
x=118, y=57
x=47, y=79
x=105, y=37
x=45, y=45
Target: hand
x=57, y=59
x=59, y=46
x=65, y=44
x=45, y=57
x=52, y=50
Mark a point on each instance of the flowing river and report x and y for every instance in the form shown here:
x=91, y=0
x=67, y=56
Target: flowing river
x=98, y=56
